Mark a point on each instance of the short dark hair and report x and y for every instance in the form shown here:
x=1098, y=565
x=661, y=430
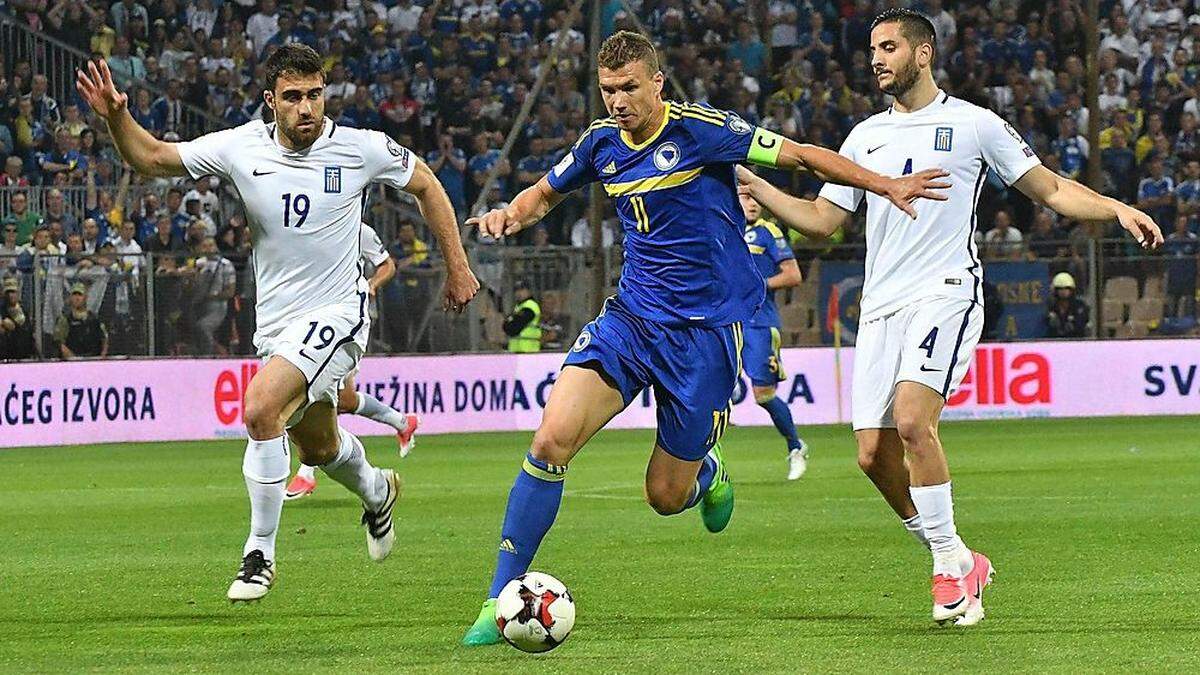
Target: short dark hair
x=294, y=57
x=916, y=27
x=624, y=47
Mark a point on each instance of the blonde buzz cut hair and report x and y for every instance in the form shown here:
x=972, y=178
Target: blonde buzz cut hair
x=625, y=47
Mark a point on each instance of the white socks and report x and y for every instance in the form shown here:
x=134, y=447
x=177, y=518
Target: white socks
x=351, y=469
x=265, y=466
x=916, y=528
x=306, y=471
x=374, y=409
x=935, y=508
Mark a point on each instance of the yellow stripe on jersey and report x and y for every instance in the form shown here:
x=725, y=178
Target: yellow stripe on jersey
x=701, y=110
x=652, y=183
x=606, y=122
x=772, y=228
x=705, y=118
x=756, y=249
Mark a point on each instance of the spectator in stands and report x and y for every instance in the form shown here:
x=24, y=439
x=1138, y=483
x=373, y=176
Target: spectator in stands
x=749, y=49
x=411, y=294
x=9, y=248
x=1003, y=240
x=1156, y=193
x=79, y=332
x=1047, y=240
x=212, y=288
x=450, y=165
x=45, y=108
x=1187, y=195
x=1067, y=316
x=20, y=215
x=14, y=175
x=127, y=68
x=1120, y=164
x=168, y=109
x=91, y=238
x=1182, y=246
x=127, y=250
x=210, y=204
x=124, y=10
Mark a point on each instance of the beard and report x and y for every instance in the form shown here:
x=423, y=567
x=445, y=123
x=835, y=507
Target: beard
x=903, y=79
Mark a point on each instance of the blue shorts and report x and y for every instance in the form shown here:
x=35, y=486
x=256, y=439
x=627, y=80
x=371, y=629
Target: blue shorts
x=760, y=356
x=691, y=368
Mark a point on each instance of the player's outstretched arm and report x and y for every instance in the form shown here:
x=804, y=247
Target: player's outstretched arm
x=145, y=153
x=461, y=284
x=831, y=167
x=527, y=208
x=817, y=219
x=1075, y=200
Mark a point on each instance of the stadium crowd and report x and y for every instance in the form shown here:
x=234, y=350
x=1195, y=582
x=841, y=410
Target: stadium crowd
x=448, y=77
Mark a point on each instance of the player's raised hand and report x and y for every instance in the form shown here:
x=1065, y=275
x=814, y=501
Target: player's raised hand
x=98, y=89
x=496, y=223
x=1141, y=226
x=461, y=286
x=925, y=184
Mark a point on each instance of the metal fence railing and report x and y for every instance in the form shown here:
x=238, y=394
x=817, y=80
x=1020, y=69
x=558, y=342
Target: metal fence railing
x=177, y=303
x=52, y=57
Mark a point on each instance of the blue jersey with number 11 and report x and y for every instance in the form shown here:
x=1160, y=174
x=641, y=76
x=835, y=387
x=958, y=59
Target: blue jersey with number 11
x=676, y=195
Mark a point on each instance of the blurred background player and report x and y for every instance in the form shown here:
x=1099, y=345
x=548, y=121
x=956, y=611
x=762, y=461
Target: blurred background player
x=921, y=313
x=761, y=360
x=687, y=284
x=301, y=180
x=351, y=402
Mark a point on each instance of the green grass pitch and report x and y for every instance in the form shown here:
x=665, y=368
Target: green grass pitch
x=116, y=558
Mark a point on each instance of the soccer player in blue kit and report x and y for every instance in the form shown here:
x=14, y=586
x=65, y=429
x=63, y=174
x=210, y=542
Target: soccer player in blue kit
x=761, y=360
x=687, y=285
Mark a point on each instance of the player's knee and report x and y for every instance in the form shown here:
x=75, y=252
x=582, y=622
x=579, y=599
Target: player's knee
x=262, y=419
x=664, y=498
x=916, y=431
x=552, y=447
x=317, y=454
x=764, y=395
x=868, y=459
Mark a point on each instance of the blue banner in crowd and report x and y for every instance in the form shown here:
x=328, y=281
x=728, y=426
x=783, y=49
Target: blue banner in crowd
x=847, y=279
x=1024, y=290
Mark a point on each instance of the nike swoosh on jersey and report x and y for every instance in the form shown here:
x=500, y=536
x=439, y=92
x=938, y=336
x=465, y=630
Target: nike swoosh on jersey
x=256, y=172
x=930, y=370
x=875, y=148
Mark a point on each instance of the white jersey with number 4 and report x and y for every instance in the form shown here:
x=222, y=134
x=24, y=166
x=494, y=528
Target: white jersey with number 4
x=304, y=210
x=934, y=255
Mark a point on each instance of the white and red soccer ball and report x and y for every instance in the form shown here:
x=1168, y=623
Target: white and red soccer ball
x=535, y=612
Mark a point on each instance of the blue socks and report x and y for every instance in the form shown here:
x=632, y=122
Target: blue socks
x=532, y=507
x=782, y=417
x=704, y=479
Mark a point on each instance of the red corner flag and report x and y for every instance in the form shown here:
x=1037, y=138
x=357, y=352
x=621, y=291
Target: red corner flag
x=832, y=311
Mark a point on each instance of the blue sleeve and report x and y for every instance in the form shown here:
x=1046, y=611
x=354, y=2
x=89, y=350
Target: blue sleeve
x=575, y=169
x=780, y=250
x=725, y=143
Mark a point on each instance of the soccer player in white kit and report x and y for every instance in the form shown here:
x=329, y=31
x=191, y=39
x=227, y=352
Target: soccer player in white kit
x=922, y=300
x=302, y=180
x=363, y=404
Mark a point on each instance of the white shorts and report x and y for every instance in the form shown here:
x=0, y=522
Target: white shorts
x=326, y=344
x=931, y=342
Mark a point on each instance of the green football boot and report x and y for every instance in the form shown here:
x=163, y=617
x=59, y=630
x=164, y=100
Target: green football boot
x=484, y=631
x=716, y=508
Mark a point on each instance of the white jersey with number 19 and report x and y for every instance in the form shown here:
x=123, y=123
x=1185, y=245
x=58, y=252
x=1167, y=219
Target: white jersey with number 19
x=304, y=210
x=934, y=255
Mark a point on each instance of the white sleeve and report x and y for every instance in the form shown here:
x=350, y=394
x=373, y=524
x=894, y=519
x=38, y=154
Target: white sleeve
x=211, y=154
x=844, y=196
x=1003, y=148
x=387, y=162
x=371, y=246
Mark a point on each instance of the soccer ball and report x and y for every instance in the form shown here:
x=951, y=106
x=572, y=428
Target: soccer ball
x=535, y=612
